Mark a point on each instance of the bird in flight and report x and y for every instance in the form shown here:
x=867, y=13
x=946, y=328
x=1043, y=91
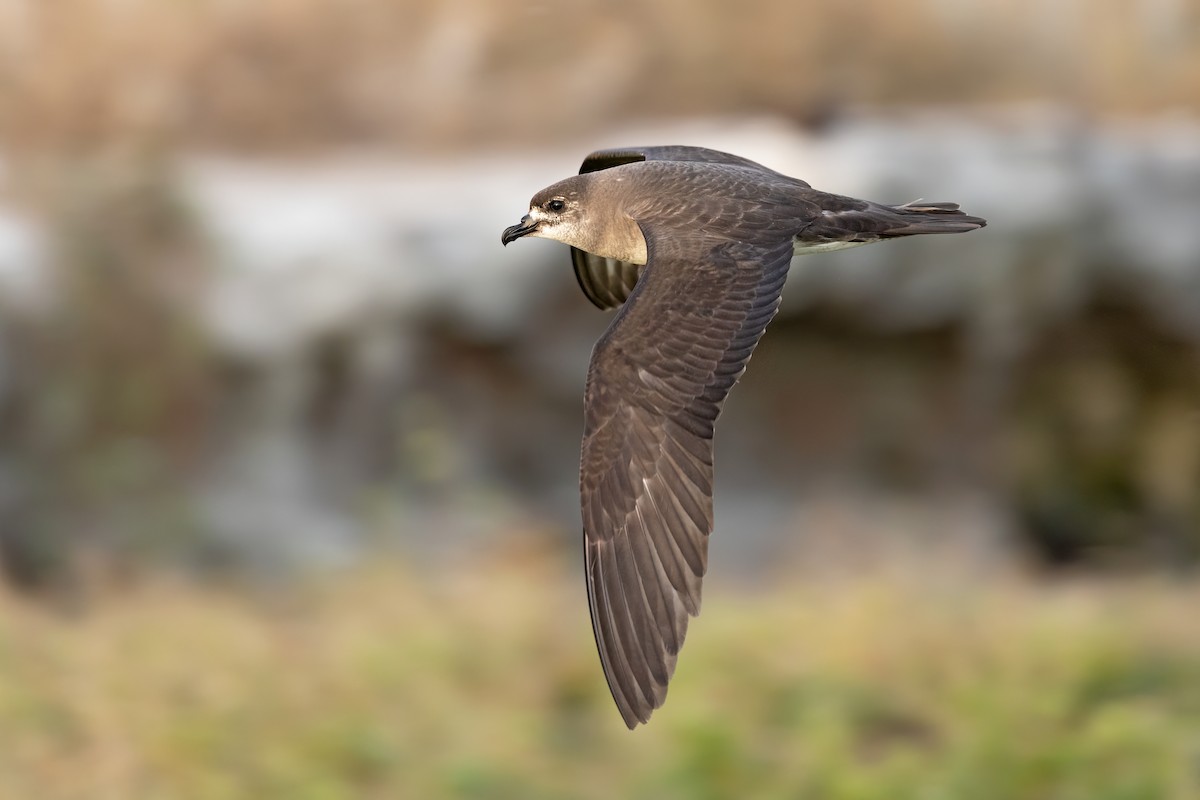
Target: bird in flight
x=693, y=245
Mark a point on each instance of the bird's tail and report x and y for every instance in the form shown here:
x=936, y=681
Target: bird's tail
x=844, y=221
x=922, y=217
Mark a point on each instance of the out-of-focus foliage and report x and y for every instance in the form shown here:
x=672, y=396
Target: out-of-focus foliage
x=316, y=348
x=484, y=683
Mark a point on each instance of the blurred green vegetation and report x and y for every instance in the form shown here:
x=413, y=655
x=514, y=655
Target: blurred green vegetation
x=482, y=682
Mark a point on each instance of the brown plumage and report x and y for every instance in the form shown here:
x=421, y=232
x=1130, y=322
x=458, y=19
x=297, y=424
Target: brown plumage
x=693, y=245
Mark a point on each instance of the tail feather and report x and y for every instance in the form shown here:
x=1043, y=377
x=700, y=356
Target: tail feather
x=858, y=221
x=922, y=217
x=921, y=205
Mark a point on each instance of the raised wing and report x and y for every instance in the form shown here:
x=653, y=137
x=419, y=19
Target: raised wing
x=608, y=282
x=656, y=384
x=606, y=159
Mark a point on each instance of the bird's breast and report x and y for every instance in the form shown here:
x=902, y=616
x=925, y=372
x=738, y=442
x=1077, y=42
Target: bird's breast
x=804, y=248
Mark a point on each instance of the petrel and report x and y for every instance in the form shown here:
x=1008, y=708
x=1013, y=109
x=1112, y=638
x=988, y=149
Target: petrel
x=693, y=245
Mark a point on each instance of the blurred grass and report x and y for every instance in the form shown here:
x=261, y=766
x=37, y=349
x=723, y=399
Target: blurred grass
x=483, y=682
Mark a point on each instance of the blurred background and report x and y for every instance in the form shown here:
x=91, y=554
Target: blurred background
x=288, y=442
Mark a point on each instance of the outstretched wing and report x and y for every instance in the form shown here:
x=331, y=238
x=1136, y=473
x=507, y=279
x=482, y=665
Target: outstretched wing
x=656, y=383
x=608, y=282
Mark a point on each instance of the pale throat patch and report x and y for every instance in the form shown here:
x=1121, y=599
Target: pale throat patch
x=619, y=238
x=624, y=241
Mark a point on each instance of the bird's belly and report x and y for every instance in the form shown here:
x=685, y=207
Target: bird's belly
x=804, y=248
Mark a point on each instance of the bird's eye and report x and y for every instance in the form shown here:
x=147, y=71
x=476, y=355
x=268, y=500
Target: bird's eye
x=556, y=205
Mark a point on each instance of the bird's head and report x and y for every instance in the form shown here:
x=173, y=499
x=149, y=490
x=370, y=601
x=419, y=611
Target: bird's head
x=556, y=212
x=585, y=212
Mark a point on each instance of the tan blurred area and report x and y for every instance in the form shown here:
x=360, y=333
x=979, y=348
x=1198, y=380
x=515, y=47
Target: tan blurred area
x=288, y=441
x=282, y=74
